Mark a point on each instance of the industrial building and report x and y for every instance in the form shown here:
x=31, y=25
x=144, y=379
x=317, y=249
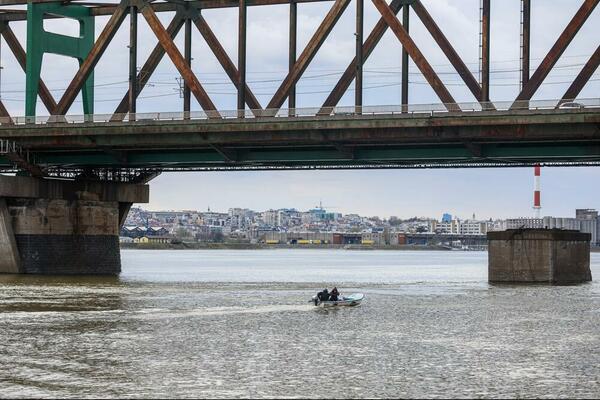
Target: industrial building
x=586, y=221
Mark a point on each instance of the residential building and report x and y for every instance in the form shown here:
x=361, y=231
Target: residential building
x=472, y=227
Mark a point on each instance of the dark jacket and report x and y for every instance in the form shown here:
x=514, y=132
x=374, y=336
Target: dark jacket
x=323, y=296
x=334, y=294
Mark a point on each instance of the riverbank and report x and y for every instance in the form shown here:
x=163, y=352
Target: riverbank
x=262, y=246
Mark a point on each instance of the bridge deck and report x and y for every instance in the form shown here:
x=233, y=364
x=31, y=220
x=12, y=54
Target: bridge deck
x=509, y=137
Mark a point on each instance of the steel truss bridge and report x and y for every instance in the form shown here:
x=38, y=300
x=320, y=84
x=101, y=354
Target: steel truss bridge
x=129, y=144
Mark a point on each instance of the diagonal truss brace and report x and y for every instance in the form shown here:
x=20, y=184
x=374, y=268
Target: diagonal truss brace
x=5, y=117
x=308, y=54
x=21, y=56
x=149, y=67
x=448, y=50
x=225, y=61
x=178, y=60
x=21, y=158
x=158, y=53
x=583, y=77
x=229, y=155
x=92, y=59
x=418, y=58
x=374, y=38
x=556, y=51
x=350, y=73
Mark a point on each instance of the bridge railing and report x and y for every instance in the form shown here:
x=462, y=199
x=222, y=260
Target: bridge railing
x=416, y=110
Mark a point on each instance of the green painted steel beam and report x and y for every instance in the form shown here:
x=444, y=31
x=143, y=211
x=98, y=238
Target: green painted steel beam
x=39, y=42
x=543, y=150
x=315, y=156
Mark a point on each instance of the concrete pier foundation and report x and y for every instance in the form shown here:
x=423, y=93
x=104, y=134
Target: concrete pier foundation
x=63, y=227
x=539, y=255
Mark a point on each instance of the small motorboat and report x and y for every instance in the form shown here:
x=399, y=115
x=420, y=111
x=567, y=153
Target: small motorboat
x=343, y=301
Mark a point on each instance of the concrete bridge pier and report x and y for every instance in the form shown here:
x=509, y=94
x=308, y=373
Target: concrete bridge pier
x=57, y=227
x=539, y=256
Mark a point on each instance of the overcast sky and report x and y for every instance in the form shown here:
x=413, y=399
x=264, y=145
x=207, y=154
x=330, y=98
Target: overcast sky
x=463, y=192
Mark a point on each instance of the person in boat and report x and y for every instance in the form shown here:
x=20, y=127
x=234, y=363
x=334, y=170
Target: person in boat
x=323, y=296
x=333, y=296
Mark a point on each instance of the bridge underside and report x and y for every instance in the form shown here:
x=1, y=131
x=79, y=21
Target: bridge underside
x=554, y=137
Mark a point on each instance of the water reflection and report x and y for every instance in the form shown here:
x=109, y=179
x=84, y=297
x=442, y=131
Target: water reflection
x=42, y=293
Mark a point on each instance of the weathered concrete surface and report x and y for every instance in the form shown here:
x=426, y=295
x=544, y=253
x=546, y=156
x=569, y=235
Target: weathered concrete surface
x=63, y=227
x=70, y=254
x=123, y=212
x=64, y=217
x=539, y=255
x=10, y=261
x=26, y=187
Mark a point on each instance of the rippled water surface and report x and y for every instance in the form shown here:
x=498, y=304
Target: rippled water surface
x=238, y=324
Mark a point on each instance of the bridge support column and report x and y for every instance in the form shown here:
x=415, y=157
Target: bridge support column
x=59, y=227
x=539, y=255
x=10, y=260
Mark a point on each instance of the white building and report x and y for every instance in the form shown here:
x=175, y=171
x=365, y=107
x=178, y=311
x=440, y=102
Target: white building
x=524, y=223
x=271, y=217
x=450, y=227
x=458, y=227
x=471, y=227
x=585, y=225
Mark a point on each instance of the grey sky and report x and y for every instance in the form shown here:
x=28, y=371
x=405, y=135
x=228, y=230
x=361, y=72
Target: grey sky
x=486, y=192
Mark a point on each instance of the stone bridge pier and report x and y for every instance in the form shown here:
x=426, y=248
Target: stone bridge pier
x=539, y=256
x=55, y=227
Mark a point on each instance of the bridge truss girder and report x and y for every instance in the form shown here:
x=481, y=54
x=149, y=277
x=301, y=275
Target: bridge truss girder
x=483, y=138
x=190, y=12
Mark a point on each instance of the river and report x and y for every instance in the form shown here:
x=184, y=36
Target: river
x=221, y=323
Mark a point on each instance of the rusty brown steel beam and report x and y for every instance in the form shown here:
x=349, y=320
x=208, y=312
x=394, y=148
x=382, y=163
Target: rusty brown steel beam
x=405, y=66
x=24, y=2
x=202, y=3
x=418, y=58
x=496, y=126
x=292, y=51
x=175, y=55
x=91, y=60
x=372, y=40
x=557, y=50
x=133, y=39
x=149, y=67
x=525, y=42
x=584, y=76
x=225, y=61
x=485, y=51
x=241, y=101
x=187, y=94
x=447, y=48
x=4, y=114
x=358, y=92
x=23, y=164
x=109, y=9
x=308, y=54
x=21, y=56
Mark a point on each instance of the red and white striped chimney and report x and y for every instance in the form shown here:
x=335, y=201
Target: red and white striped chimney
x=537, y=204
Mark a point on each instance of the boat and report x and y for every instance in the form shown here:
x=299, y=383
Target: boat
x=344, y=301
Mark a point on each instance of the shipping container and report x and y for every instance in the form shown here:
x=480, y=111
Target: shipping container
x=401, y=238
x=338, y=238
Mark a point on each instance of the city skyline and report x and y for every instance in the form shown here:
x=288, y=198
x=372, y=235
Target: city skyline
x=422, y=193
